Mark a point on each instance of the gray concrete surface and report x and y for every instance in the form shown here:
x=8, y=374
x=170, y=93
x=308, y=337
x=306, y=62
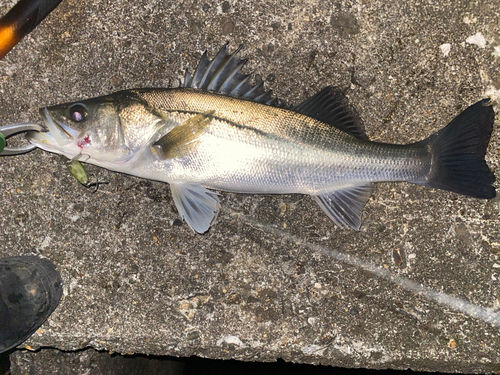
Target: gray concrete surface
x=416, y=288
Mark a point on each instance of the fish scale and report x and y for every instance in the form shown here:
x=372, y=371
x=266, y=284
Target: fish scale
x=317, y=157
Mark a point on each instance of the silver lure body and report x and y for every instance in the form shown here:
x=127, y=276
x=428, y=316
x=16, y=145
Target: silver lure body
x=219, y=132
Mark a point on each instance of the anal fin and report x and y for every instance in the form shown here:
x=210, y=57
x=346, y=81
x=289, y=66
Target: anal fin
x=197, y=205
x=345, y=206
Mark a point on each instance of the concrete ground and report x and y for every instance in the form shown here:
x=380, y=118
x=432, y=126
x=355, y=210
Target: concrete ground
x=417, y=287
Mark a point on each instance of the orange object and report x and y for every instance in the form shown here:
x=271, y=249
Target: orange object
x=21, y=19
x=8, y=38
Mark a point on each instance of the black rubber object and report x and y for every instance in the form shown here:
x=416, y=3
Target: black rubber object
x=30, y=290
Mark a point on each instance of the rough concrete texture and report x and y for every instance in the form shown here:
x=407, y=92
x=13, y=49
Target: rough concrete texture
x=416, y=287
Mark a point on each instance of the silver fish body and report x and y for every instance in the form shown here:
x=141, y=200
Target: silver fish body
x=231, y=139
x=249, y=147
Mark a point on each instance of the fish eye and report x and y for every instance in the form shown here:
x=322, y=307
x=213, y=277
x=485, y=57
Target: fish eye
x=78, y=112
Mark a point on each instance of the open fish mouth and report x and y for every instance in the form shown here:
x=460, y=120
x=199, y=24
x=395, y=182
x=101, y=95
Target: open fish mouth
x=58, y=137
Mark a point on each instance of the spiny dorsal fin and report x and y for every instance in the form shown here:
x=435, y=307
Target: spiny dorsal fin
x=181, y=139
x=222, y=75
x=345, y=206
x=332, y=107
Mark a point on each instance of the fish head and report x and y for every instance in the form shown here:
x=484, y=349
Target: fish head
x=88, y=130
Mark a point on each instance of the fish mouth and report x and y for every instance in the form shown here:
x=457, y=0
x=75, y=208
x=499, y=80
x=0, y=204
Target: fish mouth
x=58, y=137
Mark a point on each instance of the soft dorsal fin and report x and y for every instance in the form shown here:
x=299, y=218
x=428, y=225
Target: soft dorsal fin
x=332, y=107
x=345, y=206
x=222, y=75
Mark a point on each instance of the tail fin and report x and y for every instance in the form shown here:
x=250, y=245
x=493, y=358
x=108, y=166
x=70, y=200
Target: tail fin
x=458, y=151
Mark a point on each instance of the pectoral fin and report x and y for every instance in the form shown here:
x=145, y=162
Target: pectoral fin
x=197, y=205
x=345, y=206
x=181, y=139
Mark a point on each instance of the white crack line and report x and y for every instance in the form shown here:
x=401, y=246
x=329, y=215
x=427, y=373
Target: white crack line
x=476, y=311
